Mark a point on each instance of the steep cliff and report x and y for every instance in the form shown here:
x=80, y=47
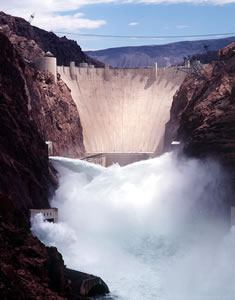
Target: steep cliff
x=203, y=112
x=50, y=104
x=64, y=49
x=23, y=154
x=28, y=269
x=55, y=113
x=24, y=184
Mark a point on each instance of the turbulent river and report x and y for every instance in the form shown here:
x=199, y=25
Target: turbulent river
x=153, y=230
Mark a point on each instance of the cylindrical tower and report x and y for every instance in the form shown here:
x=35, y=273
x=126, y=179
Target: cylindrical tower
x=48, y=63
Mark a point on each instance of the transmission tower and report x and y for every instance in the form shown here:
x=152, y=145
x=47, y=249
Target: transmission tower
x=31, y=18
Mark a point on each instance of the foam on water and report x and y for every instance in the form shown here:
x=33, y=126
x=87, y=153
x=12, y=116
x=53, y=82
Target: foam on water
x=151, y=229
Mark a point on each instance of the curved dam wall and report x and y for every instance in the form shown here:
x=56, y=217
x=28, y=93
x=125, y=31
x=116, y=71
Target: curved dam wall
x=122, y=110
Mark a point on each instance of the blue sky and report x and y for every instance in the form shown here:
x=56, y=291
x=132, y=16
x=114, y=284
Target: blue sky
x=162, y=19
x=127, y=17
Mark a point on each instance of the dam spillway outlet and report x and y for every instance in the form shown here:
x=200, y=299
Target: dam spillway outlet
x=122, y=110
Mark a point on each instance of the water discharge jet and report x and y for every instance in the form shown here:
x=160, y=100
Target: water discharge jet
x=152, y=230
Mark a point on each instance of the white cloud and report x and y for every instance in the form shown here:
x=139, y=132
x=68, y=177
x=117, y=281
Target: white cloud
x=62, y=14
x=133, y=24
x=69, y=23
x=55, y=15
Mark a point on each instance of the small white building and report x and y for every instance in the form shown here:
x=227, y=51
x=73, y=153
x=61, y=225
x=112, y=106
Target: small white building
x=49, y=214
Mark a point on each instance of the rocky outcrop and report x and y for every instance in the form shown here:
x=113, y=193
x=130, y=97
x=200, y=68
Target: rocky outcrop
x=50, y=104
x=203, y=112
x=23, y=154
x=55, y=113
x=29, y=270
x=31, y=106
x=64, y=49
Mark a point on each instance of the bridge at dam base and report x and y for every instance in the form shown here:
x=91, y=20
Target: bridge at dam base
x=123, y=112
x=108, y=159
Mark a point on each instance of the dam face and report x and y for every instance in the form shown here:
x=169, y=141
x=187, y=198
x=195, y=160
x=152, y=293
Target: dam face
x=122, y=110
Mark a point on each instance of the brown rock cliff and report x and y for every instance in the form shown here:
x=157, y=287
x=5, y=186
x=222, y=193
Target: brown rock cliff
x=28, y=269
x=50, y=104
x=203, y=112
x=23, y=154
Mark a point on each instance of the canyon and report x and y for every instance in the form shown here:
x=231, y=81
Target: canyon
x=85, y=109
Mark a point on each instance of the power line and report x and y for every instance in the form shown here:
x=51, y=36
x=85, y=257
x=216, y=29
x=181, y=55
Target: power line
x=146, y=36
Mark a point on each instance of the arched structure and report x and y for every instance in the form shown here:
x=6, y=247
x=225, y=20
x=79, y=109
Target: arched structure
x=122, y=110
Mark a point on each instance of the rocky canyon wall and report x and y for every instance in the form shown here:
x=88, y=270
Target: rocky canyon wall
x=33, y=109
x=203, y=112
x=24, y=172
x=50, y=103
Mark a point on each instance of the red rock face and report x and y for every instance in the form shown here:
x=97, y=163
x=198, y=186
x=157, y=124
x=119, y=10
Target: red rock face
x=55, y=113
x=203, y=112
x=32, y=108
x=26, y=265
x=28, y=269
x=50, y=105
x=23, y=154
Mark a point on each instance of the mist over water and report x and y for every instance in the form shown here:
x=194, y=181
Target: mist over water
x=152, y=230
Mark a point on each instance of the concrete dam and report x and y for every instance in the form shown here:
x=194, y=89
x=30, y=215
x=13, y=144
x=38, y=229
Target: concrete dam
x=123, y=112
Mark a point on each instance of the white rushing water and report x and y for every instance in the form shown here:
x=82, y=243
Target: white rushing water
x=145, y=228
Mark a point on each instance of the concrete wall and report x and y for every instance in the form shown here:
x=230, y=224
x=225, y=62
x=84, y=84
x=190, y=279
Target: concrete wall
x=122, y=110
